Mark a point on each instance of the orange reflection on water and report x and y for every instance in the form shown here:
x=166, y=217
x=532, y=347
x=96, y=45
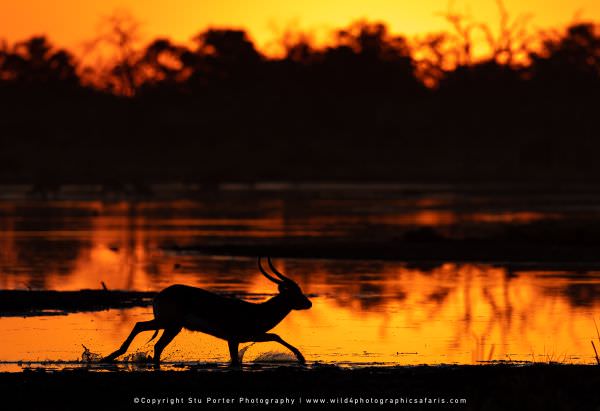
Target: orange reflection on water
x=363, y=311
x=389, y=313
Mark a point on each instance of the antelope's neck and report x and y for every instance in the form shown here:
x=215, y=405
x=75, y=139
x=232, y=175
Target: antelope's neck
x=275, y=309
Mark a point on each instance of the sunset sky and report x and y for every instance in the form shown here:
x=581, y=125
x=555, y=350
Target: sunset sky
x=70, y=23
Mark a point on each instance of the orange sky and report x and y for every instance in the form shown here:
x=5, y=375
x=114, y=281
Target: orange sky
x=72, y=22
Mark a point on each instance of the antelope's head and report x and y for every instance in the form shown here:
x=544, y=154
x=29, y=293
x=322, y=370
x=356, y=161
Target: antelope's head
x=287, y=287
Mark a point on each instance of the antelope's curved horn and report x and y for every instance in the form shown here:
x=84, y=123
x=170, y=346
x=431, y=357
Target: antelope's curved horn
x=283, y=277
x=269, y=276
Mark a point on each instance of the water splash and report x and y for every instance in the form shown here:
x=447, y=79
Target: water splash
x=138, y=357
x=275, y=356
x=88, y=356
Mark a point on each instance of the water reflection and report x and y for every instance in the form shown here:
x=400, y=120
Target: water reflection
x=363, y=311
x=120, y=242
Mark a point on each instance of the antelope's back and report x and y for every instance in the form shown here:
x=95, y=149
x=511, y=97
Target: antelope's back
x=191, y=306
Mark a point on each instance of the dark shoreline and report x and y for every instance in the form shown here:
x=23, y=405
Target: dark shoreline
x=30, y=303
x=485, y=387
x=504, y=253
x=160, y=189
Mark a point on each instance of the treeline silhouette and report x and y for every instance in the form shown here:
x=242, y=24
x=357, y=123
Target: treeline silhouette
x=370, y=106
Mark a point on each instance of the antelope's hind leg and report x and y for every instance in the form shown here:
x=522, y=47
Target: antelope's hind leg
x=138, y=328
x=274, y=337
x=163, y=341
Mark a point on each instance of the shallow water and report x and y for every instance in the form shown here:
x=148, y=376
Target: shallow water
x=382, y=312
x=364, y=312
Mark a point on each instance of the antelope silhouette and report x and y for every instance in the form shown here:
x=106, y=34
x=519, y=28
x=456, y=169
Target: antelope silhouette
x=231, y=319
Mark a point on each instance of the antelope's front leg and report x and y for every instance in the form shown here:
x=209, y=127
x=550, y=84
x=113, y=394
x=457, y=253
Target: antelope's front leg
x=274, y=337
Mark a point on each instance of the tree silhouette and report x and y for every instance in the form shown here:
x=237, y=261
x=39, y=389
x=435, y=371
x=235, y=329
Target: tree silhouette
x=163, y=65
x=573, y=59
x=118, y=33
x=223, y=56
x=35, y=62
x=366, y=59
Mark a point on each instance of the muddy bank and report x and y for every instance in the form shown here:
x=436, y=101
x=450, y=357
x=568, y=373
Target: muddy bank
x=490, y=387
x=21, y=303
x=30, y=303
